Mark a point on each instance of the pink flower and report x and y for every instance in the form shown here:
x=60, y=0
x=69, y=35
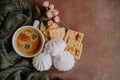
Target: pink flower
x=51, y=6
x=56, y=18
x=50, y=23
x=55, y=12
x=50, y=14
x=45, y=3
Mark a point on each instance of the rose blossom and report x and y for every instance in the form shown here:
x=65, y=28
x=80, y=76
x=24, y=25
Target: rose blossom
x=45, y=3
x=56, y=18
x=55, y=12
x=49, y=14
x=50, y=23
x=51, y=6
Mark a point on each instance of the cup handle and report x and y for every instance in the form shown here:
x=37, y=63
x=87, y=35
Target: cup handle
x=36, y=24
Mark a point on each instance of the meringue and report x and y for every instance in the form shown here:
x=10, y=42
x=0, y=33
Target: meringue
x=42, y=61
x=55, y=46
x=64, y=61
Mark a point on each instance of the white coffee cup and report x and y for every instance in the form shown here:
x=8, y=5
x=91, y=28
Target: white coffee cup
x=40, y=34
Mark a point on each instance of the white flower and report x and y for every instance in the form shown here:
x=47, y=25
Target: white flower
x=45, y=3
x=51, y=6
x=50, y=23
x=55, y=12
x=49, y=14
x=56, y=18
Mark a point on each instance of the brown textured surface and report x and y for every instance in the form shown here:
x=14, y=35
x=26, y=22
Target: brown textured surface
x=99, y=20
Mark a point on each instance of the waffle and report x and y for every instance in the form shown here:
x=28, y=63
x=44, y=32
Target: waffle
x=46, y=32
x=58, y=33
x=73, y=40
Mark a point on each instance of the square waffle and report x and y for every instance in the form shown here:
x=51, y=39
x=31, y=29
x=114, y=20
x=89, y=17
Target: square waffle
x=73, y=40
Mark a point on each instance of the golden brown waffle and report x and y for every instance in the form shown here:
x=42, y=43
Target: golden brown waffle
x=46, y=32
x=73, y=40
x=58, y=33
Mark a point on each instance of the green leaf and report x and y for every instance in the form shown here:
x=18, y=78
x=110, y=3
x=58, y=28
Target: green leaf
x=44, y=19
x=42, y=26
x=38, y=11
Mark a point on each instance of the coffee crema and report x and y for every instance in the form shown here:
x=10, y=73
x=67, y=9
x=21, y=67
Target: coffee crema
x=27, y=41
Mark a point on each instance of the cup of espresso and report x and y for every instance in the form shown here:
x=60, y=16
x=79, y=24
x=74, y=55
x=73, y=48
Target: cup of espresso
x=28, y=41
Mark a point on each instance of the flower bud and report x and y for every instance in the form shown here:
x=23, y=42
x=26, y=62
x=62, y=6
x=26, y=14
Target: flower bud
x=45, y=4
x=55, y=12
x=50, y=23
x=49, y=14
x=56, y=18
x=51, y=6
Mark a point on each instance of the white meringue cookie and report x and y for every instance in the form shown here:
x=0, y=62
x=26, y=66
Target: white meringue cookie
x=64, y=61
x=55, y=46
x=42, y=61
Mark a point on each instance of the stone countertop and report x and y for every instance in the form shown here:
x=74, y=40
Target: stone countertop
x=99, y=20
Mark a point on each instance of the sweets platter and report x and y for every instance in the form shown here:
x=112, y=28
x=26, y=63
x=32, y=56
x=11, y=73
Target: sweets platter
x=99, y=21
